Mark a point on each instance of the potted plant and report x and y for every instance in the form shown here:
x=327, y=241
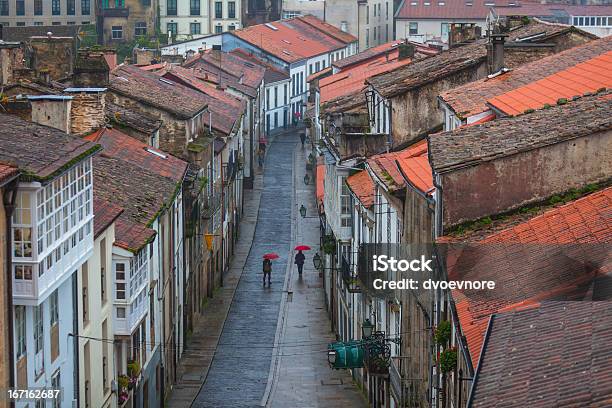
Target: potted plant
x=133, y=369
x=448, y=360
x=329, y=245
x=123, y=382
x=443, y=333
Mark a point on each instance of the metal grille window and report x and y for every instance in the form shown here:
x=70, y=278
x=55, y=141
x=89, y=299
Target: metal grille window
x=231, y=9
x=55, y=7
x=194, y=8
x=140, y=28
x=70, y=7
x=218, y=29
x=20, y=7
x=117, y=32
x=218, y=9
x=171, y=10
x=4, y=7
x=85, y=7
x=194, y=28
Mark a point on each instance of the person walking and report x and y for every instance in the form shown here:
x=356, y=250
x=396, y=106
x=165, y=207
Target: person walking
x=261, y=156
x=267, y=271
x=299, y=261
x=303, y=138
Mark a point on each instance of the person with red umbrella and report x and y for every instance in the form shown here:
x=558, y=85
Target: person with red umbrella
x=300, y=257
x=267, y=267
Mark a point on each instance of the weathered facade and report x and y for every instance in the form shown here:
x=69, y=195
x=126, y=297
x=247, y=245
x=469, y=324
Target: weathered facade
x=124, y=20
x=406, y=99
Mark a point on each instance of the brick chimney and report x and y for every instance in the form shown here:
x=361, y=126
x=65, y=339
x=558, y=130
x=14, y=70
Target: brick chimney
x=88, y=106
x=495, y=52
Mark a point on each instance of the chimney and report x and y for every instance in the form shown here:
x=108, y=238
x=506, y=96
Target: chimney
x=88, y=107
x=495, y=52
x=405, y=50
x=52, y=111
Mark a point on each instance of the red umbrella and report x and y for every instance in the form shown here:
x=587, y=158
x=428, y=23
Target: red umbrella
x=271, y=256
x=302, y=248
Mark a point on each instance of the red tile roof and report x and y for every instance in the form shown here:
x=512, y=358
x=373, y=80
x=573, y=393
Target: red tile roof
x=553, y=10
x=327, y=28
x=121, y=170
x=470, y=99
x=352, y=79
x=542, y=276
x=290, y=40
x=272, y=73
x=554, y=355
x=105, y=213
x=362, y=185
x=413, y=163
x=233, y=64
x=149, y=88
x=7, y=172
x=585, y=77
x=226, y=109
x=121, y=146
x=451, y=9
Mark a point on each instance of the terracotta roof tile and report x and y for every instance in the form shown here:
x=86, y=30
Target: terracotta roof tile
x=105, y=213
x=328, y=29
x=352, y=79
x=413, y=163
x=375, y=52
x=39, y=151
x=586, y=77
x=556, y=354
x=152, y=90
x=472, y=145
x=362, y=185
x=232, y=63
x=553, y=10
x=527, y=254
x=470, y=99
x=7, y=171
x=272, y=74
x=290, y=40
x=119, y=174
x=226, y=109
x=320, y=183
x=453, y=9
x=453, y=60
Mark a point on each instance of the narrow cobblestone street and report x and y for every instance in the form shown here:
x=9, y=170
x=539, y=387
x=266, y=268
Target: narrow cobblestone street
x=257, y=346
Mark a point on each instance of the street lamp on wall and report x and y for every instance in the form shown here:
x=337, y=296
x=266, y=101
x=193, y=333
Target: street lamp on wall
x=366, y=329
x=316, y=260
x=303, y=211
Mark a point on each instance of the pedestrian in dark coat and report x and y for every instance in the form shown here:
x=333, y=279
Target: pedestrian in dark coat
x=267, y=271
x=299, y=261
x=303, y=138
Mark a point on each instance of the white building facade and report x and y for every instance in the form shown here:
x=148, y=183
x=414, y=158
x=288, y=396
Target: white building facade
x=191, y=19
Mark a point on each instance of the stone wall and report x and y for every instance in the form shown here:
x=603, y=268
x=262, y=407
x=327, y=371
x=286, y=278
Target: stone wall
x=53, y=113
x=527, y=177
x=10, y=59
x=87, y=113
x=54, y=55
x=172, y=134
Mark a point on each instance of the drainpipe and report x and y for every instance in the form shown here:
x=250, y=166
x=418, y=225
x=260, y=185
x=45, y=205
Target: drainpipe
x=8, y=199
x=75, y=329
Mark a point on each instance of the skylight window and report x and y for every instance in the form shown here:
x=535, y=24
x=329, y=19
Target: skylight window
x=441, y=3
x=427, y=3
x=413, y=3
x=489, y=3
x=286, y=52
x=287, y=41
x=165, y=81
x=271, y=27
x=156, y=153
x=469, y=3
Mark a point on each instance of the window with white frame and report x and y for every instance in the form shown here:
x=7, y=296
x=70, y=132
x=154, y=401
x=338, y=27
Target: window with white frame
x=138, y=270
x=345, y=204
x=23, y=272
x=22, y=226
x=55, y=384
x=120, y=281
x=38, y=329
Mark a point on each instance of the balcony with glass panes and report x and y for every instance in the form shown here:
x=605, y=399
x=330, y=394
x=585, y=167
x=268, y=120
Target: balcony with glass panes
x=131, y=282
x=52, y=232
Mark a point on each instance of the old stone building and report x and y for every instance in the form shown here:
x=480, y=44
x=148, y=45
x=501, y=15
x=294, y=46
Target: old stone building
x=404, y=103
x=124, y=20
